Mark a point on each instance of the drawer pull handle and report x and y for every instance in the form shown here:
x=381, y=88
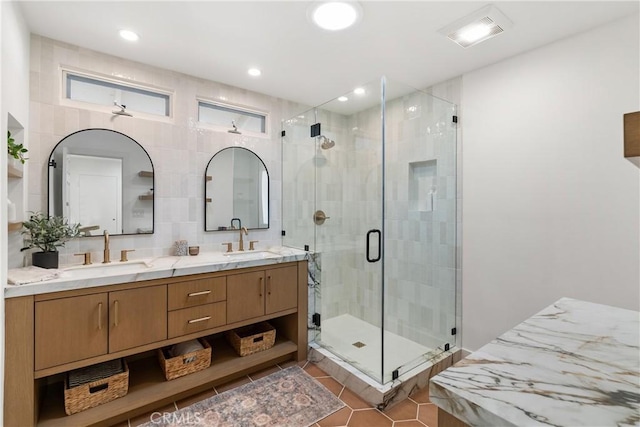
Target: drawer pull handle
x=100, y=316
x=196, y=294
x=115, y=320
x=268, y=285
x=202, y=319
x=260, y=287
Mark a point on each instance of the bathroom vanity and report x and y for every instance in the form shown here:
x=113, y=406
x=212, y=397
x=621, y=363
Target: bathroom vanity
x=575, y=363
x=97, y=313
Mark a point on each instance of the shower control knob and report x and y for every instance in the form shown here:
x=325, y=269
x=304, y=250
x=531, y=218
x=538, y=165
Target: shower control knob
x=319, y=217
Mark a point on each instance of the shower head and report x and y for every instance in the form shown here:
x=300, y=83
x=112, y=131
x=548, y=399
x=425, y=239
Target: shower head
x=121, y=111
x=326, y=143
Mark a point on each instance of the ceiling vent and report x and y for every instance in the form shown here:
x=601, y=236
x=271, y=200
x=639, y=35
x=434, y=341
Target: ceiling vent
x=477, y=27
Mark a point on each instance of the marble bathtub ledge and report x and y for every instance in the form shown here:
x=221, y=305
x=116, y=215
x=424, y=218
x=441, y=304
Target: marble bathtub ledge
x=156, y=268
x=575, y=363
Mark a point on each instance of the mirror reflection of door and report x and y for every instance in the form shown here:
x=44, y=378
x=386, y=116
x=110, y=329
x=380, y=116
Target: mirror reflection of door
x=122, y=205
x=82, y=203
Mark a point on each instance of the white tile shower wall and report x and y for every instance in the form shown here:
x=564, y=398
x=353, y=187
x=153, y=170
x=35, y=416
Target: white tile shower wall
x=179, y=150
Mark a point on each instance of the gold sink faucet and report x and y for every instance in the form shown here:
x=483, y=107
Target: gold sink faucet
x=107, y=257
x=241, y=244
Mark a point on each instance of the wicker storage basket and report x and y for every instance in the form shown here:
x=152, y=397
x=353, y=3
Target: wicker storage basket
x=252, y=339
x=93, y=393
x=175, y=367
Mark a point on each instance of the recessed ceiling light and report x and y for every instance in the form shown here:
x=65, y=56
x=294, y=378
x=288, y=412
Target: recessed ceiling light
x=335, y=15
x=129, y=35
x=343, y=99
x=359, y=91
x=254, y=72
x=477, y=27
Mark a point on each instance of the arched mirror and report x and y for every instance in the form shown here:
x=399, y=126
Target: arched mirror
x=236, y=191
x=103, y=180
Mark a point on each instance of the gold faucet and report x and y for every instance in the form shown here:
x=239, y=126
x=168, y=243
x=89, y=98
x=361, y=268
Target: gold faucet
x=241, y=244
x=107, y=257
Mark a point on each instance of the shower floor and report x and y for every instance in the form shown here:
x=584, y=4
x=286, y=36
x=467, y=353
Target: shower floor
x=340, y=333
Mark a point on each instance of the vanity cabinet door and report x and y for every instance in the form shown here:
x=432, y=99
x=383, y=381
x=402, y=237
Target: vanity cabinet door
x=281, y=289
x=137, y=317
x=245, y=296
x=70, y=329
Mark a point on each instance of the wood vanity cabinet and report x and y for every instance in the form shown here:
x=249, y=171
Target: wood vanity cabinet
x=137, y=317
x=47, y=335
x=281, y=290
x=261, y=292
x=77, y=328
x=70, y=329
x=197, y=305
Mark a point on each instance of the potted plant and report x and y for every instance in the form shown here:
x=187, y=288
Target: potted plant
x=47, y=233
x=14, y=150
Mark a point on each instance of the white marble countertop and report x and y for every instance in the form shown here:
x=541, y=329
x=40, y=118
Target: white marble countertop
x=575, y=363
x=94, y=275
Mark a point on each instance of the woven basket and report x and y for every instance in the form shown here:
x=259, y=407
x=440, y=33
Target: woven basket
x=94, y=393
x=179, y=366
x=252, y=339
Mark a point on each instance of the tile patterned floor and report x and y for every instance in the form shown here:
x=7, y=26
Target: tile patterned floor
x=415, y=411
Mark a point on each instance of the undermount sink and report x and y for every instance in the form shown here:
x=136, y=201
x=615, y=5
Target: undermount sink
x=110, y=269
x=243, y=256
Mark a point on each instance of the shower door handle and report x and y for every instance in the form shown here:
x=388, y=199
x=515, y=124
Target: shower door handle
x=369, y=233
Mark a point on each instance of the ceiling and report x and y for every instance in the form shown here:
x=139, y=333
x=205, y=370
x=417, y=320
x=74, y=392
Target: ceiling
x=220, y=40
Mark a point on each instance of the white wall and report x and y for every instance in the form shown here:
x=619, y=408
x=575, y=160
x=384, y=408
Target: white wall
x=14, y=99
x=551, y=208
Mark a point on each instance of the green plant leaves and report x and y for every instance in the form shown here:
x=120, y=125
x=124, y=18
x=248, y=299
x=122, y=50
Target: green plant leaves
x=15, y=150
x=47, y=233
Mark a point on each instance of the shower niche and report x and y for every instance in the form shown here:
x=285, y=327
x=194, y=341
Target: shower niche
x=423, y=185
x=384, y=267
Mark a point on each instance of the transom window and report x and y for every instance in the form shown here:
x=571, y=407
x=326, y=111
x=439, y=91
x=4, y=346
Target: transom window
x=106, y=92
x=229, y=117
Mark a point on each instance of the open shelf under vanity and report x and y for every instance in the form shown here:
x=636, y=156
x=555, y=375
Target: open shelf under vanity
x=148, y=387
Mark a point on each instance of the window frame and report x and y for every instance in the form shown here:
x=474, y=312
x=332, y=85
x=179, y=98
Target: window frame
x=235, y=107
x=68, y=102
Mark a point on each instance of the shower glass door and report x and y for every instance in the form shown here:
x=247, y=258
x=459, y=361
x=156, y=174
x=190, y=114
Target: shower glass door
x=420, y=229
x=332, y=203
x=348, y=159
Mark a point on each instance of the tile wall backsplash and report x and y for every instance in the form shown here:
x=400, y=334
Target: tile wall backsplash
x=179, y=149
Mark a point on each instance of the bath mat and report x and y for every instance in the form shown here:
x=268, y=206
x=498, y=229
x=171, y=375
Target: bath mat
x=287, y=398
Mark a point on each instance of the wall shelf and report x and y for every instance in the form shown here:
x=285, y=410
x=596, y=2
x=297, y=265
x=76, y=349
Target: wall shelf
x=145, y=174
x=15, y=226
x=632, y=134
x=146, y=197
x=14, y=172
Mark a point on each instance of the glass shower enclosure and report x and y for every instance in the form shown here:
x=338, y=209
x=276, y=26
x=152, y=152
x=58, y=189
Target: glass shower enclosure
x=369, y=188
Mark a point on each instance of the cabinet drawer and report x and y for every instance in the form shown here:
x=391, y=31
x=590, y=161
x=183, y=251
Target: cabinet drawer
x=197, y=292
x=194, y=319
